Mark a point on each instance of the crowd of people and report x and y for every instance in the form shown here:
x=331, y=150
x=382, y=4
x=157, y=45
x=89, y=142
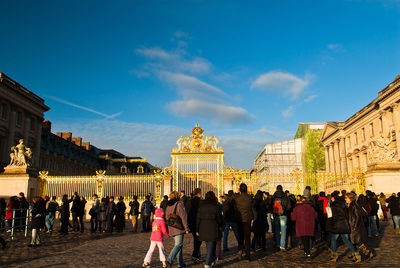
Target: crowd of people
x=314, y=219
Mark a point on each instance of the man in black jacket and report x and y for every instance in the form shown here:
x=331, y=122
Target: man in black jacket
x=110, y=212
x=228, y=207
x=23, y=205
x=394, y=208
x=193, y=207
x=134, y=213
x=281, y=208
x=75, y=209
x=244, y=213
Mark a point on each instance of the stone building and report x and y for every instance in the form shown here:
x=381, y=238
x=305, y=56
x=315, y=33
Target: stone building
x=368, y=141
x=369, y=136
x=21, y=116
x=114, y=162
x=63, y=154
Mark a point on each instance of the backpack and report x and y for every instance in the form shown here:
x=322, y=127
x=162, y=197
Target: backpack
x=278, y=206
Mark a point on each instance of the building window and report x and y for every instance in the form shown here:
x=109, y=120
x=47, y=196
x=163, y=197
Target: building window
x=355, y=138
x=18, y=120
x=140, y=169
x=123, y=169
x=3, y=111
x=32, y=124
x=363, y=134
x=371, y=126
x=381, y=123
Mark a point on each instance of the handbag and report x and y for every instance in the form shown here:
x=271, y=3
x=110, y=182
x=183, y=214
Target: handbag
x=174, y=220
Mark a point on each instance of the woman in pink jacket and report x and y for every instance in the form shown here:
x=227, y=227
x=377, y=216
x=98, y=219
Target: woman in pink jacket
x=158, y=230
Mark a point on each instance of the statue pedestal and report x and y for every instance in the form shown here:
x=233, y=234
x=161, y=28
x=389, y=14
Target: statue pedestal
x=383, y=177
x=19, y=179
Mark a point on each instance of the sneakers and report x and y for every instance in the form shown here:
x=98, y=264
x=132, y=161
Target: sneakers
x=146, y=265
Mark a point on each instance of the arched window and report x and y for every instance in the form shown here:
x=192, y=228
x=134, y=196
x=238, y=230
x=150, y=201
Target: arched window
x=123, y=169
x=140, y=169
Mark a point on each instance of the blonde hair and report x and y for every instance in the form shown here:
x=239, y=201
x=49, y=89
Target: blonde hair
x=351, y=196
x=174, y=195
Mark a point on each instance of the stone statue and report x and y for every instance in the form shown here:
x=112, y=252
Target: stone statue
x=20, y=155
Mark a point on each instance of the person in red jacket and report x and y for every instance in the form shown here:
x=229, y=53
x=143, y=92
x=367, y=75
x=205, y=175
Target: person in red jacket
x=158, y=230
x=322, y=203
x=12, y=205
x=304, y=215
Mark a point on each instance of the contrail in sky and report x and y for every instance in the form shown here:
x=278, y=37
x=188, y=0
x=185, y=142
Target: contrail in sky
x=106, y=116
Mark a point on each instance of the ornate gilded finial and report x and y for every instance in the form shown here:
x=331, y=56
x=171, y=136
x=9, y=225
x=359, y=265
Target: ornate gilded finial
x=100, y=172
x=197, y=132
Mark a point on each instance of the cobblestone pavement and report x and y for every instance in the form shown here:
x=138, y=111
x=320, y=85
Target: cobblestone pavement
x=128, y=250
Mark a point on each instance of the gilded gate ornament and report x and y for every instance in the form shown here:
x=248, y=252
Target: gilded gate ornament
x=197, y=143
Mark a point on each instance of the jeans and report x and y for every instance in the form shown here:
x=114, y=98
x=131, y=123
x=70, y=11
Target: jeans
x=146, y=224
x=226, y=233
x=196, y=246
x=372, y=225
x=345, y=238
x=396, y=219
x=50, y=220
x=176, y=252
x=94, y=222
x=210, y=257
x=134, y=222
x=280, y=230
x=35, y=237
x=269, y=220
x=75, y=221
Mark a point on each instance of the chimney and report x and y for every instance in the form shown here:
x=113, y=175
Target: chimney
x=86, y=145
x=77, y=141
x=66, y=135
x=46, y=125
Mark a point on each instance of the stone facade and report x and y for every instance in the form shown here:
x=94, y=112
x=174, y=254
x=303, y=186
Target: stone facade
x=366, y=138
x=21, y=116
x=63, y=154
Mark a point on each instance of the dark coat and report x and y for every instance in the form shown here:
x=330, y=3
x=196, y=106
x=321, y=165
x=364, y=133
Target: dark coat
x=38, y=215
x=339, y=222
x=181, y=212
x=394, y=205
x=192, y=214
x=260, y=222
x=81, y=210
x=244, y=208
x=285, y=202
x=208, y=221
x=134, y=211
x=102, y=211
x=23, y=204
x=76, y=204
x=164, y=204
x=228, y=208
x=358, y=233
x=147, y=208
x=64, y=210
x=304, y=215
x=110, y=211
x=120, y=215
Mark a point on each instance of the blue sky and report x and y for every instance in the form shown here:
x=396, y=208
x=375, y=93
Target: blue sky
x=136, y=75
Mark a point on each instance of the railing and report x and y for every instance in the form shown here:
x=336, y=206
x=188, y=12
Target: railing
x=20, y=221
x=104, y=185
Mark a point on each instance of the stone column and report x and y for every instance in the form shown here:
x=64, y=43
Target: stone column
x=331, y=158
x=327, y=168
x=26, y=128
x=36, y=150
x=11, y=129
x=337, y=157
x=395, y=124
x=342, y=150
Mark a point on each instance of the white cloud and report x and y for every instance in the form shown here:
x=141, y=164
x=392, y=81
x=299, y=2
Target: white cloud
x=335, y=47
x=190, y=87
x=213, y=111
x=175, y=61
x=310, y=98
x=284, y=83
x=288, y=112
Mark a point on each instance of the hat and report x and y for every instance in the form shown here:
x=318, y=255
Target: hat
x=159, y=212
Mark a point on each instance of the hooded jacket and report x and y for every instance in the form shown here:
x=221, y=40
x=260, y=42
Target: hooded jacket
x=158, y=227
